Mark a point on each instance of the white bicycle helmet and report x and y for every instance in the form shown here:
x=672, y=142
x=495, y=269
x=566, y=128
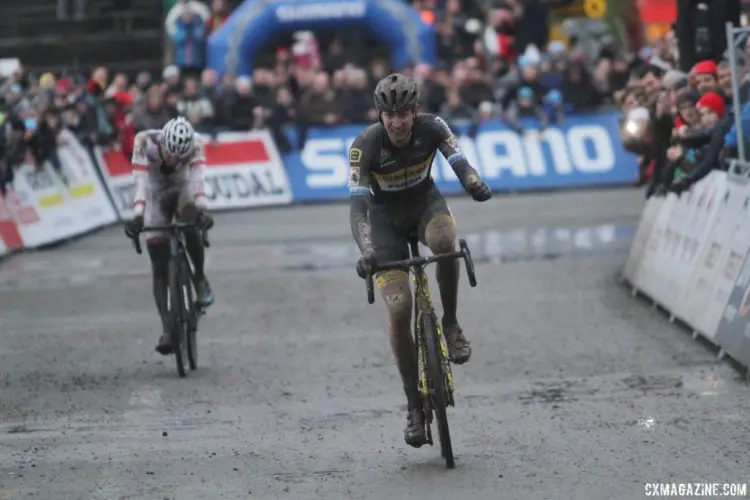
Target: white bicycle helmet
x=178, y=137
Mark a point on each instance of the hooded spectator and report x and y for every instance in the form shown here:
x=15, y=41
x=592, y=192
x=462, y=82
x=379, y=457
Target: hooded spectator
x=553, y=66
x=578, y=89
x=189, y=41
x=529, y=80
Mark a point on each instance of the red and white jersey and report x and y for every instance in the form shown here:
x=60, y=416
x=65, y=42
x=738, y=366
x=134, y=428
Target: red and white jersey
x=151, y=176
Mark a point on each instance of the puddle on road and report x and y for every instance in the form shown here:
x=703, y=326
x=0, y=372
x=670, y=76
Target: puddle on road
x=34, y=271
x=487, y=246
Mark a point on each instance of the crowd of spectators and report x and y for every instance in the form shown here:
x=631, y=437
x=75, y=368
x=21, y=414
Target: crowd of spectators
x=486, y=71
x=680, y=124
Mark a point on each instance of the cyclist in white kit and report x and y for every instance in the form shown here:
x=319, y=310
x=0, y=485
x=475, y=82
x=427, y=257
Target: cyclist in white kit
x=168, y=171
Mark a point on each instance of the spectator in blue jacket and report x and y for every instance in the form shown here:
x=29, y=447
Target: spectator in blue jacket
x=189, y=42
x=731, y=142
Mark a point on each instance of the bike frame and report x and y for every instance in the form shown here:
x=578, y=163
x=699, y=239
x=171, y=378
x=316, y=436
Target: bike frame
x=423, y=305
x=178, y=249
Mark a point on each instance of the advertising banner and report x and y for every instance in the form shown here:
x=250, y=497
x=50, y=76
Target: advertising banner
x=642, y=235
x=255, y=23
x=242, y=170
x=54, y=220
x=88, y=195
x=584, y=151
x=706, y=295
x=689, y=232
x=734, y=328
x=648, y=274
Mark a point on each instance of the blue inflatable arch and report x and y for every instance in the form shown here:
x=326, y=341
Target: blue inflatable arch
x=252, y=24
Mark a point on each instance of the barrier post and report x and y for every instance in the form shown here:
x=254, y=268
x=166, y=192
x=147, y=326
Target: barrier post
x=733, y=43
x=739, y=171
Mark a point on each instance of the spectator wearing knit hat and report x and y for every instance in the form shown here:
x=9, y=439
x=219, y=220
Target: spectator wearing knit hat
x=706, y=76
x=693, y=143
x=711, y=108
x=716, y=119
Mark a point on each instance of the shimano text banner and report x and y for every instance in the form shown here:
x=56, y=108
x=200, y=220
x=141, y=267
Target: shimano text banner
x=584, y=151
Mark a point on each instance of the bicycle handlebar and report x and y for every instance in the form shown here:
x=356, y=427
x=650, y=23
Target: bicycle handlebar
x=416, y=261
x=420, y=262
x=170, y=228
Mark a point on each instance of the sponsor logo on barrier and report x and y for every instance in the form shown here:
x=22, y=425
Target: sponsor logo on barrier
x=19, y=207
x=84, y=186
x=243, y=184
x=241, y=171
x=706, y=281
x=41, y=182
x=321, y=11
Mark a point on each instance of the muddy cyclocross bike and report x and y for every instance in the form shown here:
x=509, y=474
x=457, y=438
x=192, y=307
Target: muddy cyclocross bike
x=182, y=307
x=436, y=383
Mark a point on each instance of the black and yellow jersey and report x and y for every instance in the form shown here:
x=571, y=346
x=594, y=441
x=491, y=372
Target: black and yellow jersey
x=382, y=173
x=379, y=168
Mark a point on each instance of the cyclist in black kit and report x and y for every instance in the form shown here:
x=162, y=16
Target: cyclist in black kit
x=392, y=194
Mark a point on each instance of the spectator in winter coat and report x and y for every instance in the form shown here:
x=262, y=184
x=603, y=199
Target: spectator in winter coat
x=153, y=114
x=12, y=149
x=43, y=142
x=692, y=142
x=578, y=89
x=198, y=109
x=189, y=42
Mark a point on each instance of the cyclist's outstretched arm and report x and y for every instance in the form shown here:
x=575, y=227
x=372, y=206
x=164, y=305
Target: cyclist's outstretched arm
x=448, y=146
x=359, y=195
x=196, y=175
x=140, y=173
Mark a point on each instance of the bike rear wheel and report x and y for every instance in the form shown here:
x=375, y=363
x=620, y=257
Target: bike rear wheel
x=176, y=307
x=438, y=387
x=190, y=317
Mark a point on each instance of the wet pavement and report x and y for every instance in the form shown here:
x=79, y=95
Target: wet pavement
x=575, y=389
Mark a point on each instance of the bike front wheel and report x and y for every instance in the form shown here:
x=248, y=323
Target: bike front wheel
x=438, y=385
x=190, y=316
x=176, y=313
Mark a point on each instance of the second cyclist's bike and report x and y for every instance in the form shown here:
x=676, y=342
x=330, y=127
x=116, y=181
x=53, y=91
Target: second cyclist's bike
x=184, y=311
x=436, y=383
